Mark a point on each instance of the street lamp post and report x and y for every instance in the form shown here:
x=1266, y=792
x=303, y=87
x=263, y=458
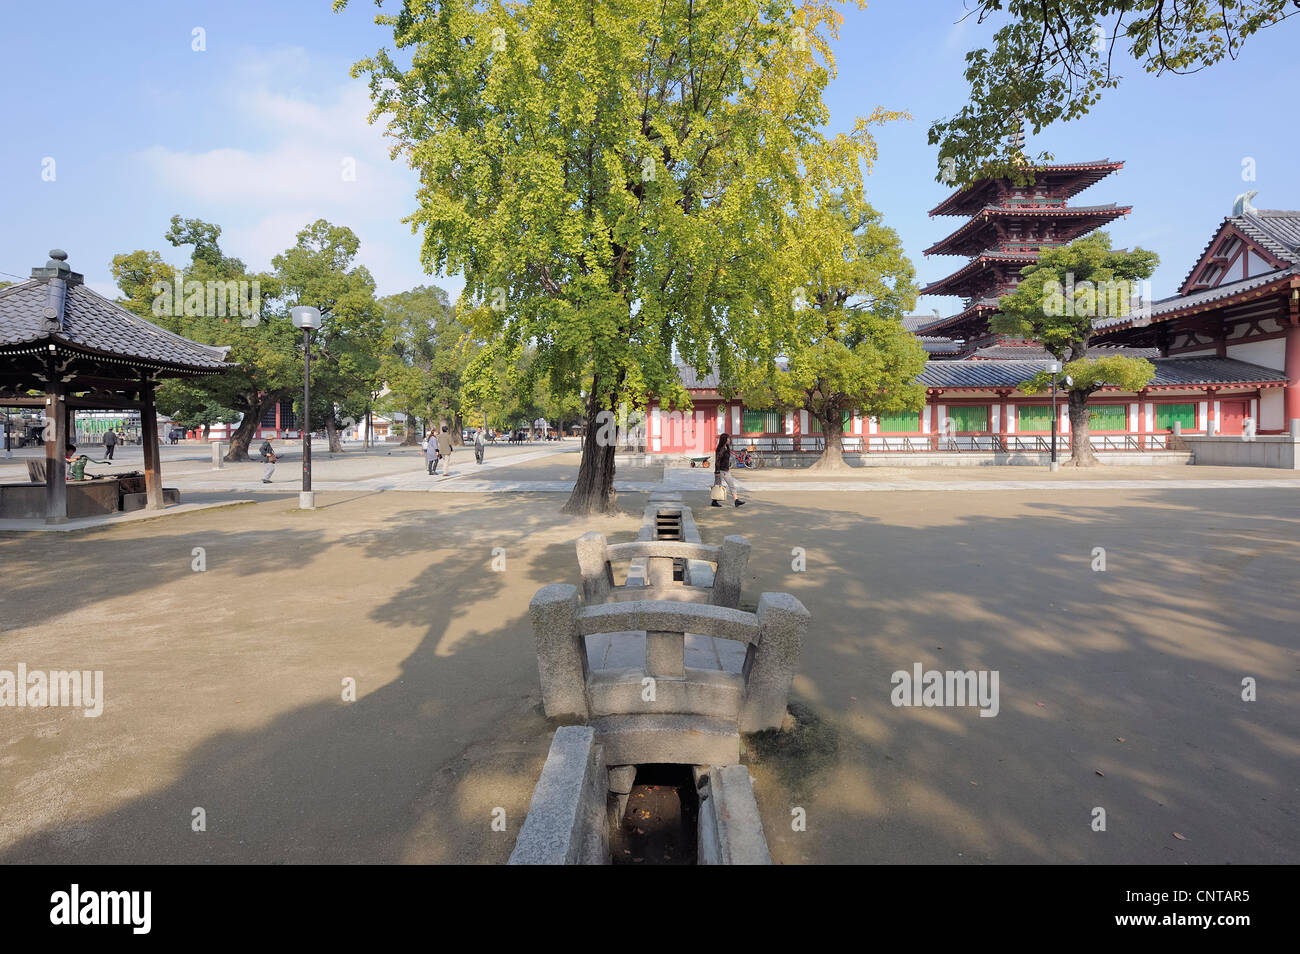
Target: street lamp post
x=306, y=318
x=1054, y=368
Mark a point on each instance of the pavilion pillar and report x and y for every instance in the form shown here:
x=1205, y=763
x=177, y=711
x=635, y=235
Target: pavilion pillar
x=149, y=437
x=56, y=440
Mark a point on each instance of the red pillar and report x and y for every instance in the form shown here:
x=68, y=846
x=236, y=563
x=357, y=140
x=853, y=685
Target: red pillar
x=1291, y=400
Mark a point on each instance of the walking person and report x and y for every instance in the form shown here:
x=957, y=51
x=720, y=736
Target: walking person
x=444, y=449
x=431, y=452
x=110, y=443
x=722, y=471
x=269, y=456
x=480, y=445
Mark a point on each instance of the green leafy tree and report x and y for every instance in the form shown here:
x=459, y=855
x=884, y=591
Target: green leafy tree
x=846, y=347
x=1053, y=59
x=612, y=178
x=425, y=355
x=263, y=344
x=319, y=271
x=1059, y=301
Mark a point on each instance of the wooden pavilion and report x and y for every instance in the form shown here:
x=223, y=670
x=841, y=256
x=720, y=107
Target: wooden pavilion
x=64, y=348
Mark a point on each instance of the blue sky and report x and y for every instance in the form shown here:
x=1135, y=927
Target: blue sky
x=252, y=133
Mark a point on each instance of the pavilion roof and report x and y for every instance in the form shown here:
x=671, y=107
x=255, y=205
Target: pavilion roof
x=94, y=325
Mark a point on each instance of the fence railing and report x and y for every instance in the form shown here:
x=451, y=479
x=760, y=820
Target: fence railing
x=765, y=447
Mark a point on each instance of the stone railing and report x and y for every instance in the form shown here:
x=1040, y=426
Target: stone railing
x=663, y=710
x=596, y=557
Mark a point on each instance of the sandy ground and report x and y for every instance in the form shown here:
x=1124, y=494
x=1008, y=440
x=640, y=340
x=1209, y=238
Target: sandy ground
x=224, y=687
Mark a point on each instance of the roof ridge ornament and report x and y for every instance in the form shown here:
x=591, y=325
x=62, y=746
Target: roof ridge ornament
x=1242, y=204
x=57, y=267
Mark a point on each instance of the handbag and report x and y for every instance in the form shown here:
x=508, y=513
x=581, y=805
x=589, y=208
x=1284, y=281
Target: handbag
x=717, y=491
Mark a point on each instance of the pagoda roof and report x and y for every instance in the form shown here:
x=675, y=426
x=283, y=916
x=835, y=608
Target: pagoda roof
x=1067, y=178
x=93, y=325
x=1089, y=216
x=975, y=266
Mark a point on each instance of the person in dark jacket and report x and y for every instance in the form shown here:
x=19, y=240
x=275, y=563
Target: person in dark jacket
x=110, y=443
x=722, y=470
x=269, y=457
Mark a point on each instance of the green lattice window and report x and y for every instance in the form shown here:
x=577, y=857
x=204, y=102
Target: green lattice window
x=760, y=422
x=903, y=422
x=968, y=418
x=1034, y=417
x=1168, y=414
x=815, y=426
x=1108, y=417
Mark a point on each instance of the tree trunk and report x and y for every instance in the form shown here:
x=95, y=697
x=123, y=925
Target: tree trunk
x=593, y=491
x=457, y=425
x=1081, y=454
x=832, y=456
x=250, y=422
x=332, y=435
x=412, y=432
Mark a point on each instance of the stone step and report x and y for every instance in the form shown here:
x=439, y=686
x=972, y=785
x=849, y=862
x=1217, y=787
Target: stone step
x=671, y=738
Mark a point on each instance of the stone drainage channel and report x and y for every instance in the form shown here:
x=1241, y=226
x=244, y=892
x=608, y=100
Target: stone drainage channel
x=585, y=811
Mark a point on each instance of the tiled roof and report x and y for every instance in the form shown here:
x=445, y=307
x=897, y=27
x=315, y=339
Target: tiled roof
x=93, y=323
x=1091, y=172
x=916, y=323
x=1170, y=372
x=939, y=345
x=978, y=374
x=698, y=382
x=979, y=220
x=1207, y=296
x=1277, y=231
x=1184, y=371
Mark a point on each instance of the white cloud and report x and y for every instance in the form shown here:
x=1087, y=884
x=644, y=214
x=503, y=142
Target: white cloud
x=297, y=156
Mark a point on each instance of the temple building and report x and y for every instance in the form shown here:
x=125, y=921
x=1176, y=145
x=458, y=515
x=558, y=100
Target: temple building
x=1226, y=347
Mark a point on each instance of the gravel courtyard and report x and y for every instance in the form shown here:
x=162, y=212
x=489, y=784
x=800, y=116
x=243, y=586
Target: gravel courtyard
x=224, y=687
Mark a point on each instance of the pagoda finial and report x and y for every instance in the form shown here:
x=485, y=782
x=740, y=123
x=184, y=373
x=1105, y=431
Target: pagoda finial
x=1242, y=206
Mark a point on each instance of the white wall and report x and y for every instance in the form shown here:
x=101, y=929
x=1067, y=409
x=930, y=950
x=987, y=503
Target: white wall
x=1271, y=409
x=1269, y=354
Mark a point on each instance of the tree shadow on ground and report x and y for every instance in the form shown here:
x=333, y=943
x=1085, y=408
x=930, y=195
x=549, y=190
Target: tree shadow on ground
x=1119, y=689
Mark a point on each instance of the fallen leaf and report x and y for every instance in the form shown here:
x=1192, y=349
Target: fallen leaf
x=1102, y=774
x=1179, y=837
x=1118, y=739
x=976, y=784
x=1041, y=705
